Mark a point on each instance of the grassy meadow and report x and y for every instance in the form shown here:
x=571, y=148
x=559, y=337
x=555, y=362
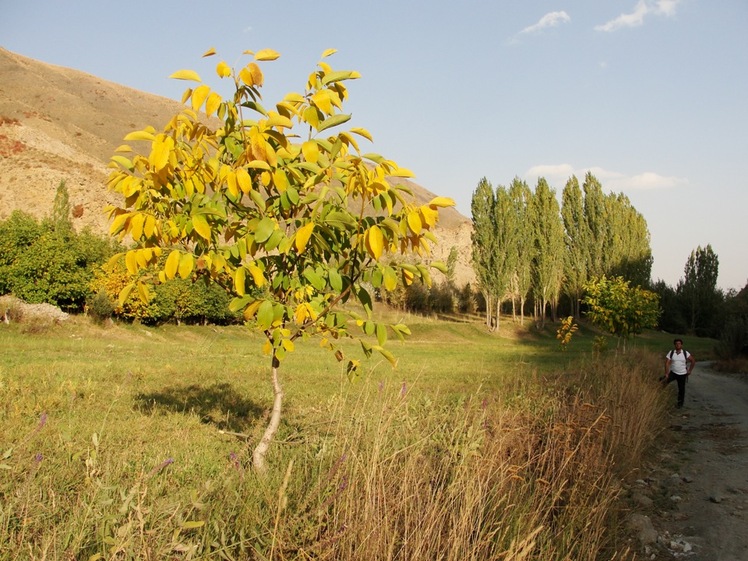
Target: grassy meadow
x=128, y=442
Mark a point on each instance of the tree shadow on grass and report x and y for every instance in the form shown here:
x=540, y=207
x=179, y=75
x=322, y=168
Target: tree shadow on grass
x=219, y=404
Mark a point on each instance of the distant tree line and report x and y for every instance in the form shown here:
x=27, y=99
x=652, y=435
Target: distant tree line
x=529, y=253
x=528, y=248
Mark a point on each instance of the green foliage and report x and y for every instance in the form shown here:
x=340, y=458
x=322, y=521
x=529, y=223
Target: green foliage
x=622, y=310
x=698, y=292
x=100, y=307
x=548, y=236
x=47, y=263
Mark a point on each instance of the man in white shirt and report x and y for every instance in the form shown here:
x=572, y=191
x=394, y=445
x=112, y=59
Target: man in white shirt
x=678, y=366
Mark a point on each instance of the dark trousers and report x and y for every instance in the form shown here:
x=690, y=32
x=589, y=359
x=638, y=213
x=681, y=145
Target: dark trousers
x=681, y=379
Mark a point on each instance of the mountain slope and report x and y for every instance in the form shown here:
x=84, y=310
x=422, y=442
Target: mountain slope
x=59, y=124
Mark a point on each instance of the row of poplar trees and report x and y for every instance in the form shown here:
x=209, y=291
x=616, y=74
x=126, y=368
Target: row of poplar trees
x=529, y=248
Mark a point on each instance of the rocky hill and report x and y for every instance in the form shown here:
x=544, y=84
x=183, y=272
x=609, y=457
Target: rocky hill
x=59, y=124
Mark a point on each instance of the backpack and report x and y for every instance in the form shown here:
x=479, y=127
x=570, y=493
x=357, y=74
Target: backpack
x=686, y=354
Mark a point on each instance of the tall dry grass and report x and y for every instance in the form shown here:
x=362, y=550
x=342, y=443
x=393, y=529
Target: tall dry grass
x=529, y=470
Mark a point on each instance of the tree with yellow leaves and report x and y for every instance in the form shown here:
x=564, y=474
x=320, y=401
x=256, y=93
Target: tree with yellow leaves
x=292, y=218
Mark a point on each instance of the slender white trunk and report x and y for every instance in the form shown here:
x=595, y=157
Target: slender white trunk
x=258, y=455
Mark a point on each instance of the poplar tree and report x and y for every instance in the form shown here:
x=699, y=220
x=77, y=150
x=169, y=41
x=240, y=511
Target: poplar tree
x=629, y=247
x=548, y=234
x=577, y=243
x=521, y=197
x=506, y=246
x=595, y=214
x=484, y=247
x=699, y=287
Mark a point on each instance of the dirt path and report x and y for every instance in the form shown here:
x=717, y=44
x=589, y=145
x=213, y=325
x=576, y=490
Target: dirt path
x=696, y=497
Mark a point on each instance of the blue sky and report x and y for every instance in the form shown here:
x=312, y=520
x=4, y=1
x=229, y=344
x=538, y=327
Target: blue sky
x=649, y=95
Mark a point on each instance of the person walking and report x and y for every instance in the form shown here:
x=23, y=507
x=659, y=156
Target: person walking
x=679, y=364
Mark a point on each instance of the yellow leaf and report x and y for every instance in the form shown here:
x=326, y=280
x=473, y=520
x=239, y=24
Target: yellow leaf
x=186, y=264
x=257, y=276
x=201, y=226
x=199, y=96
x=240, y=277
x=213, y=103
x=251, y=310
x=441, y=202
x=186, y=75
x=414, y=222
x=162, y=147
x=310, y=149
x=280, y=180
x=390, y=279
x=118, y=223
x=322, y=100
x=301, y=313
x=150, y=226
x=136, y=226
x=374, y=241
x=277, y=120
x=125, y=293
x=140, y=135
x=329, y=52
x=362, y=132
x=302, y=236
x=251, y=75
x=223, y=70
x=172, y=263
x=210, y=52
x=311, y=116
x=429, y=215
x=267, y=348
x=243, y=180
x=123, y=148
x=131, y=262
x=288, y=345
x=266, y=54
x=231, y=183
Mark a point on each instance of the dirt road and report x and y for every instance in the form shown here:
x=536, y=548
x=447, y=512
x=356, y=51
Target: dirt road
x=696, y=496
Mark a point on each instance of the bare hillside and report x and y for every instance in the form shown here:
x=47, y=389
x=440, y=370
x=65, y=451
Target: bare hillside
x=59, y=124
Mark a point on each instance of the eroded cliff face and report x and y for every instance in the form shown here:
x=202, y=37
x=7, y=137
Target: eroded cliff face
x=59, y=124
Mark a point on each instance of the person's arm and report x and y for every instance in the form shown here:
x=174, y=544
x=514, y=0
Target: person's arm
x=667, y=367
x=690, y=365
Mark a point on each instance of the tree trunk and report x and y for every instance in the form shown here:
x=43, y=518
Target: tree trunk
x=258, y=455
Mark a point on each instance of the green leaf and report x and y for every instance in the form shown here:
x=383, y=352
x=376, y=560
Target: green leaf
x=265, y=315
x=336, y=281
x=316, y=280
x=365, y=298
x=237, y=304
x=381, y=334
x=264, y=230
x=333, y=121
x=340, y=218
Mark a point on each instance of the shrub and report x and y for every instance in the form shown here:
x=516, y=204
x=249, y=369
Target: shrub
x=100, y=307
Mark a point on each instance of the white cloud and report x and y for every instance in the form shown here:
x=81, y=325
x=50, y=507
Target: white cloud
x=642, y=10
x=558, y=174
x=551, y=19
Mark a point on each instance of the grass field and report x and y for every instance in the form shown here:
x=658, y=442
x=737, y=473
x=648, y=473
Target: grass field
x=129, y=442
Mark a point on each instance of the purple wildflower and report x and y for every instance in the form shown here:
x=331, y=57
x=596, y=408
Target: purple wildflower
x=162, y=465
